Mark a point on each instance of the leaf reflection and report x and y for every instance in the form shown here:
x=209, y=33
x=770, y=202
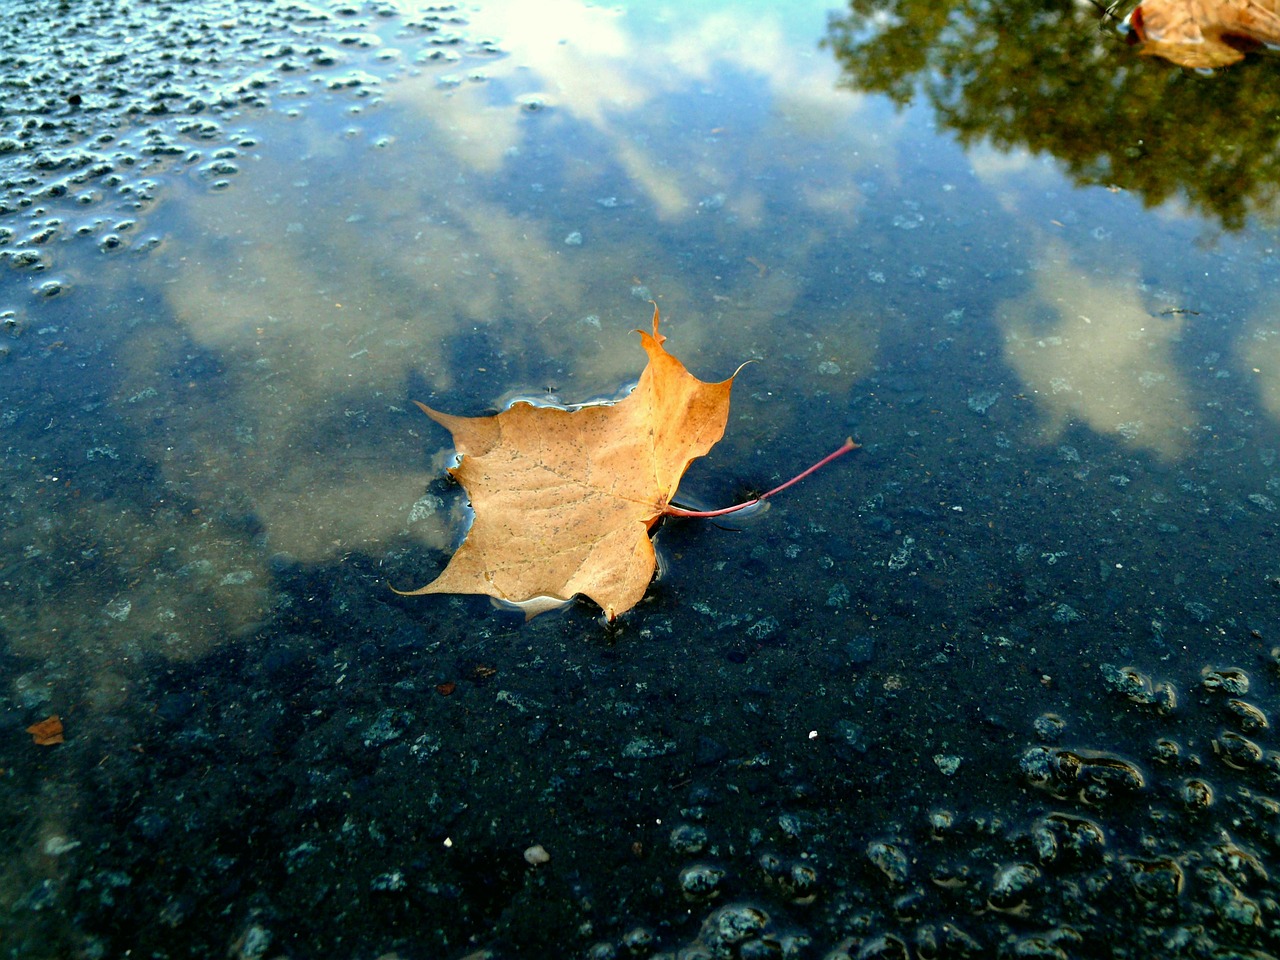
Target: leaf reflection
x=1058, y=78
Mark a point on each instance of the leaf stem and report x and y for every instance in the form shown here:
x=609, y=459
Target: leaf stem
x=681, y=512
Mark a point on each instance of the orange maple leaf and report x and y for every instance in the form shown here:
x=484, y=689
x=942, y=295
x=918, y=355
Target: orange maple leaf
x=1203, y=34
x=564, y=499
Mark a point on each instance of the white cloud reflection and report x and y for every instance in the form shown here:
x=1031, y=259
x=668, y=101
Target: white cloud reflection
x=1088, y=350
x=1259, y=355
x=603, y=66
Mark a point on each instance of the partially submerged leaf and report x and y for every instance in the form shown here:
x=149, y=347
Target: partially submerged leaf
x=1203, y=34
x=564, y=500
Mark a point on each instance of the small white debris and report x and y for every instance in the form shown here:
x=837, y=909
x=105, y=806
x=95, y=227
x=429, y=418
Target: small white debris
x=57, y=845
x=537, y=855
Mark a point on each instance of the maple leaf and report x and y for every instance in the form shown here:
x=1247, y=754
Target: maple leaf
x=1203, y=34
x=564, y=499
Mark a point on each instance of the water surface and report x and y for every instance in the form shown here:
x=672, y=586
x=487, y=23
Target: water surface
x=999, y=683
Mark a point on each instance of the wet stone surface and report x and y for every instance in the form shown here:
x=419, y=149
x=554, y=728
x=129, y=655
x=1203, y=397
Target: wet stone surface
x=362, y=802
x=101, y=106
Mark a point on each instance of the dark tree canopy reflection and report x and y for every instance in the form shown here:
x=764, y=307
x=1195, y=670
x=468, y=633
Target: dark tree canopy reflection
x=1055, y=76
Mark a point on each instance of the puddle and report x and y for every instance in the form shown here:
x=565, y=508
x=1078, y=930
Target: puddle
x=999, y=683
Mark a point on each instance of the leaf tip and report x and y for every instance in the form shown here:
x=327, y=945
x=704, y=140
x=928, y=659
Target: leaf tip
x=410, y=593
x=656, y=320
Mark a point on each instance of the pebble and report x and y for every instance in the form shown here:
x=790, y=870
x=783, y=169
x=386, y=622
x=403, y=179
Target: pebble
x=1250, y=718
x=1237, y=751
x=688, y=839
x=946, y=940
x=1229, y=680
x=890, y=859
x=1093, y=776
x=1011, y=886
x=536, y=855
x=1156, y=881
x=638, y=940
x=948, y=764
x=1065, y=839
x=1049, y=727
x=701, y=881
x=1196, y=795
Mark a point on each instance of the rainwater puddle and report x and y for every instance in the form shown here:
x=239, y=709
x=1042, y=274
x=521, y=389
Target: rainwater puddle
x=999, y=683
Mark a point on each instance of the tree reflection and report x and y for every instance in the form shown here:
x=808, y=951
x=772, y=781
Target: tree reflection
x=1056, y=76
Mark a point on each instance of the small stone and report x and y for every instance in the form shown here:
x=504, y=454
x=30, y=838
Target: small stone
x=802, y=883
x=947, y=763
x=852, y=734
x=1011, y=886
x=1039, y=946
x=790, y=825
x=253, y=944
x=1065, y=613
x=701, y=881
x=1062, y=838
x=738, y=923
x=1236, y=751
x=1229, y=680
x=1156, y=881
x=1250, y=718
x=890, y=859
x=946, y=940
x=884, y=947
x=689, y=839
x=536, y=855
x=638, y=940
x=1128, y=682
x=1197, y=795
x=773, y=866
x=1168, y=752
x=388, y=725
x=1229, y=903
x=1049, y=727
x=1242, y=867
x=981, y=402
x=941, y=821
